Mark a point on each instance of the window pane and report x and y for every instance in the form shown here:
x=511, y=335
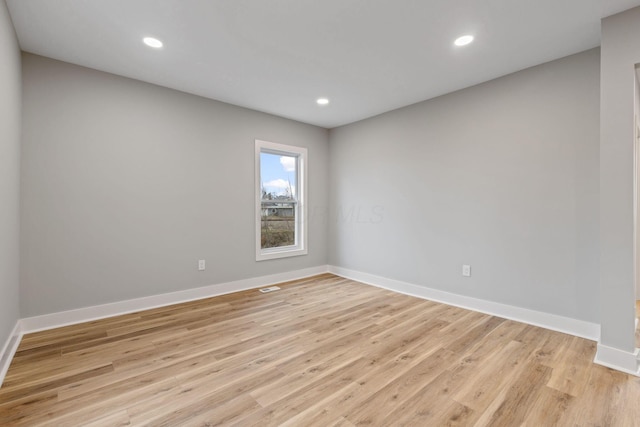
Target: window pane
x=279, y=209
x=278, y=225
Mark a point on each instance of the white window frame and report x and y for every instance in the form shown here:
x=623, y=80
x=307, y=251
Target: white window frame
x=300, y=246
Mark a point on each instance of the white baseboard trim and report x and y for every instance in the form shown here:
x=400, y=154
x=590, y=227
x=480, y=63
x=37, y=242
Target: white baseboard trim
x=86, y=314
x=9, y=349
x=554, y=322
x=618, y=359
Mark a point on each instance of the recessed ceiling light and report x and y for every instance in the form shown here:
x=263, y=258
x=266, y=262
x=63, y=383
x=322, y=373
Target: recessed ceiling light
x=150, y=41
x=322, y=101
x=464, y=40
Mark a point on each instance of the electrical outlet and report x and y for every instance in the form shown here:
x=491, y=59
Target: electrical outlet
x=466, y=270
x=201, y=265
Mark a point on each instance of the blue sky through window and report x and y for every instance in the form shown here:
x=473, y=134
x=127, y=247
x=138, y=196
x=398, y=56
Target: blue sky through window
x=277, y=173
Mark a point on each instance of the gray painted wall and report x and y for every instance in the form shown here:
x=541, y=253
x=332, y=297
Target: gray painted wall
x=620, y=53
x=502, y=176
x=10, y=106
x=636, y=108
x=126, y=185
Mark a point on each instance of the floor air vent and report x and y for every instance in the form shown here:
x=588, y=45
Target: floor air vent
x=269, y=289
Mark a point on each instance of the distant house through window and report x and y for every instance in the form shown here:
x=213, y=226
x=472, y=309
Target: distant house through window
x=280, y=200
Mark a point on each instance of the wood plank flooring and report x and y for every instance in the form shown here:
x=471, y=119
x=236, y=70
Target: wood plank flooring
x=323, y=351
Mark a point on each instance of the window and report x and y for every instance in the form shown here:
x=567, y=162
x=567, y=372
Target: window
x=281, y=212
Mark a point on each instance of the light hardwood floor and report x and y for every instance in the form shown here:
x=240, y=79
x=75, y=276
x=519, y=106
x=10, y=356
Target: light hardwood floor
x=323, y=351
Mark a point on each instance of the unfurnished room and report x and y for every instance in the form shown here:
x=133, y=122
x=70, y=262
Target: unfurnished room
x=319, y=213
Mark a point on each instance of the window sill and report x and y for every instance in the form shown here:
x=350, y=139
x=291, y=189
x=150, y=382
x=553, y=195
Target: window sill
x=264, y=255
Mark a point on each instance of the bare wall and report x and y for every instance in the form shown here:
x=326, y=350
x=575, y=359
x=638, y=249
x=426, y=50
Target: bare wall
x=502, y=176
x=636, y=109
x=126, y=185
x=620, y=54
x=10, y=106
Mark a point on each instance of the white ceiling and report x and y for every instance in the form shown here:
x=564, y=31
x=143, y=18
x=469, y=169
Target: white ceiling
x=278, y=56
